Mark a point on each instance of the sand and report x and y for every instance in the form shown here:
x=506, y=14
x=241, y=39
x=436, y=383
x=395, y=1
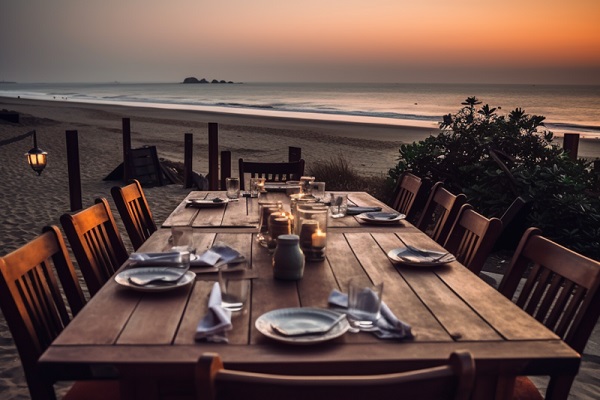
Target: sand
x=29, y=202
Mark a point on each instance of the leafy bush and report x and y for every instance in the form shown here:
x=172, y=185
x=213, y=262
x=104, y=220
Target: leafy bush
x=494, y=158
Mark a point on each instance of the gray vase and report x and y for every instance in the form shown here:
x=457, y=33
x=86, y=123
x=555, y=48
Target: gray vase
x=288, y=259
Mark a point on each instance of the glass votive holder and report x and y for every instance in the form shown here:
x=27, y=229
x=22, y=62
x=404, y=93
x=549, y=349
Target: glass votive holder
x=257, y=185
x=306, y=184
x=265, y=210
x=312, y=231
x=279, y=224
x=292, y=187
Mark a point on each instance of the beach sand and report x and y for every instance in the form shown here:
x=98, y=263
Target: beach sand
x=29, y=202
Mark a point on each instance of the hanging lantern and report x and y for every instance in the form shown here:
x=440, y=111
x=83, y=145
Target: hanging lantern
x=36, y=157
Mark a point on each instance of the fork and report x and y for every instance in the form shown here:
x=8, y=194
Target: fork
x=414, y=249
x=423, y=253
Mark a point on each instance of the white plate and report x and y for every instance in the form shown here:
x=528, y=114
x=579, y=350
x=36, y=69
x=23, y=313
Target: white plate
x=206, y=203
x=404, y=256
x=378, y=217
x=310, y=317
x=122, y=278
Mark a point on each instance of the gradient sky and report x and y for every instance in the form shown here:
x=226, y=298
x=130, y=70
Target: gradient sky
x=502, y=41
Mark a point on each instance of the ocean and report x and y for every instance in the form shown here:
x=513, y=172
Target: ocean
x=568, y=109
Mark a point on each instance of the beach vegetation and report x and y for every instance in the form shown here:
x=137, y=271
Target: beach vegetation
x=494, y=158
x=340, y=175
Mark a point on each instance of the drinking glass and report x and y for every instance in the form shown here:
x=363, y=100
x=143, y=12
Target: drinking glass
x=364, y=303
x=318, y=191
x=339, y=205
x=182, y=238
x=234, y=292
x=233, y=187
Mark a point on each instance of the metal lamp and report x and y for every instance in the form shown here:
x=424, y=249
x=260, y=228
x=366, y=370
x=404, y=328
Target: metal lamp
x=36, y=157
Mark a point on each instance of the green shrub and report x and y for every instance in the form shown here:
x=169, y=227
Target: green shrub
x=494, y=158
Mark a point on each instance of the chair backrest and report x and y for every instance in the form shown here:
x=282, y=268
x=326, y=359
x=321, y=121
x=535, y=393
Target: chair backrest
x=32, y=304
x=440, y=212
x=406, y=192
x=272, y=172
x=453, y=380
x=96, y=243
x=135, y=212
x=472, y=238
x=561, y=290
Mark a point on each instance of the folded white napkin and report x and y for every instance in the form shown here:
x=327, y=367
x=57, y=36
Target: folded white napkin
x=355, y=210
x=214, y=325
x=388, y=326
x=218, y=255
x=154, y=259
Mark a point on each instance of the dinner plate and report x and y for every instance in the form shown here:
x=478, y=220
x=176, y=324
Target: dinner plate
x=206, y=203
x=122, y=278
x=381, y=218
x=430, y=258
x=309, y=318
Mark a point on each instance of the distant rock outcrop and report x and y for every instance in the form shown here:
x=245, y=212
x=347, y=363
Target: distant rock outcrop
x=192, y=79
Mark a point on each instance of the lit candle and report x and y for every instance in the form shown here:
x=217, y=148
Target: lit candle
x=319, y=239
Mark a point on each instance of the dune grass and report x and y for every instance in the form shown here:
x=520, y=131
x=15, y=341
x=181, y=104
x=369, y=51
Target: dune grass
x=339, y=174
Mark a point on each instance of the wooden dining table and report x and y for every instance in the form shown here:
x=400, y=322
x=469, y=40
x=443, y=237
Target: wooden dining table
x=146, y=340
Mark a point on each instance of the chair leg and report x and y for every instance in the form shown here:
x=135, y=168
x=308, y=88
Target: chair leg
x=559, y=387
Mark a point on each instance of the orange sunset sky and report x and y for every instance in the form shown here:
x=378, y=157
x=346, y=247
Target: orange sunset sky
x=504, y=41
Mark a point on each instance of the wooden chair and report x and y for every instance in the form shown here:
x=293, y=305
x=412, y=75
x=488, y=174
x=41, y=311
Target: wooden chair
x=472, y=238
x=405, y=194
x=561, y=291
x=272, y=172
x=440, y=212
x=32, y=305
x=453, y=380
x=96, y=243
x=135, y=212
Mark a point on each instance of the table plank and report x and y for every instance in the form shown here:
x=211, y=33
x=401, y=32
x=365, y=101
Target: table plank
x=145, y=327
x=507, y=318
x=398, y=295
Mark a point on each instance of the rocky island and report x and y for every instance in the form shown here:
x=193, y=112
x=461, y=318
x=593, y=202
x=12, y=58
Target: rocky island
x=195, y=80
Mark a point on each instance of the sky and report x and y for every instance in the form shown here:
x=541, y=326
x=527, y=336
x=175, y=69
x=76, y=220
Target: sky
x=424, y=41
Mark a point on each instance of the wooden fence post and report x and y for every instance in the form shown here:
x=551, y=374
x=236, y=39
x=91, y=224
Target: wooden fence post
x=74, y=172
x=225, y=167
x=571, y=144
x=188, y=146
x=294, y=154
x=213, y=156
x=126, y=149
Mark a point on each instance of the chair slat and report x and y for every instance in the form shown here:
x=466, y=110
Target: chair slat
x=271, y=171
x=135, y=212
x=96, y=243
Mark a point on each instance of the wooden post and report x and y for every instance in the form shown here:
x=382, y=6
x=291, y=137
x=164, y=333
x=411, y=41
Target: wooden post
x=126, y=149
x=571, y=144
x=73, y=170
x=294, y=154
x=213, y=156
x=188, y=147
x=225, y=167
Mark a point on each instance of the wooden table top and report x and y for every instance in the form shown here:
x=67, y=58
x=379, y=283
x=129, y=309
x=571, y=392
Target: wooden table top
x=448, y=307
x=242, y=214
